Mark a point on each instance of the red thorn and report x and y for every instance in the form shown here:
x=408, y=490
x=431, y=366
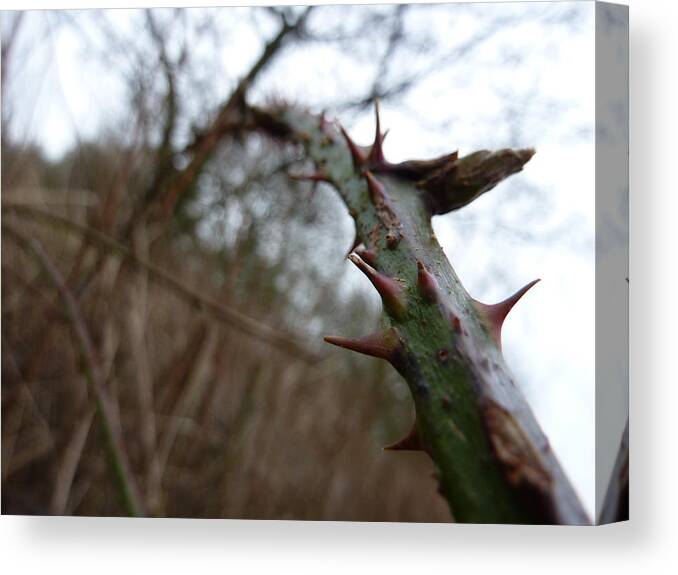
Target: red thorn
x=391, y=291
x=376, y=156
x=493, y=316
x=370, y=256
x=377, y=116
x=411, y=442
x=357, y=154
x=377, y=189
x=319, y=176
x=428, y=286
x=375, y=345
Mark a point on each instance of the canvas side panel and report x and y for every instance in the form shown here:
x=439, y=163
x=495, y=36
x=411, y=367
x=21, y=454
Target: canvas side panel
x=612, y=235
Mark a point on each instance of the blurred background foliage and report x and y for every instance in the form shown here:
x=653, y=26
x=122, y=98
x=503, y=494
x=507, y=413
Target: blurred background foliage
x=202, y=276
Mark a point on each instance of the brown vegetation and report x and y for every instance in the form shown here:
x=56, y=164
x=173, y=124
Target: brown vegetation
x=212, y=420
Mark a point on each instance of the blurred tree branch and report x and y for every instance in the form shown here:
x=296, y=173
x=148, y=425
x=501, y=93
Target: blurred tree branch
x=171, y=185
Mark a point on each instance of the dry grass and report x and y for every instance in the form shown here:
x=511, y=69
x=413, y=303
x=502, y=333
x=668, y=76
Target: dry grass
x=213, y=422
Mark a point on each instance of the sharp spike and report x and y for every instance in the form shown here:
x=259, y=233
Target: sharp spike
x=376, y=156
x=359, y=158
x=391, y=291
x=377, y=106
x=377, y=190
x=411, y=442
x=428, y=286
x=493, y=316
x=375, y=345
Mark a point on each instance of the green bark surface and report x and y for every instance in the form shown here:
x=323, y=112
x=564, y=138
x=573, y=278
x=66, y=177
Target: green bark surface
x=495, y=464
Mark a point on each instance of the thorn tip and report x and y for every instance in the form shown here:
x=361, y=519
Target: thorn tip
x=391, y=291
x=493, y=316
x=428, y=286
x=376, y=156
x=411, y=442
x=374, y=345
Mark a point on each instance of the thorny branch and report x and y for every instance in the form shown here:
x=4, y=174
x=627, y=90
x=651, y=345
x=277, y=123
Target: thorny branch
x=495, y=464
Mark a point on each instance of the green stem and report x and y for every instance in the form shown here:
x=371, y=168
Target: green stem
x=495, y=464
